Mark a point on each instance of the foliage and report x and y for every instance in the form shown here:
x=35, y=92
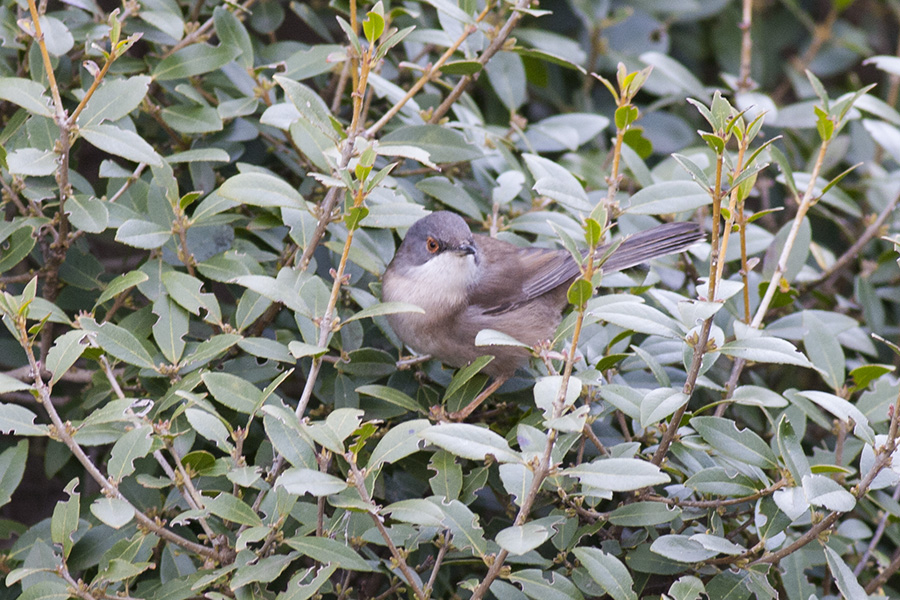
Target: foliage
x=198, y=208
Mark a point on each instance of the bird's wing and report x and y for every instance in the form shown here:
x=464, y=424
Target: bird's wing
x=513, y=276
x=528, y=273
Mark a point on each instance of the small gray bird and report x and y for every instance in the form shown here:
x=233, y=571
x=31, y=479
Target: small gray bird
x=466, y=283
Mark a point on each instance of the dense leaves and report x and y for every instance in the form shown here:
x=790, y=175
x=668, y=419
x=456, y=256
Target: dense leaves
x=201, y=395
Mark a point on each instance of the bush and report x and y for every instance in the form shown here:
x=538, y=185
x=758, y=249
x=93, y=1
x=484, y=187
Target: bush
x=204, y=396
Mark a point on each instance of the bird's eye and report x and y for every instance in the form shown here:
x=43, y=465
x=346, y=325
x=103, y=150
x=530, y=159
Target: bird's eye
x=432, y=245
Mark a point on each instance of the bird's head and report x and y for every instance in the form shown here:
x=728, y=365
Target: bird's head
x=442, y=238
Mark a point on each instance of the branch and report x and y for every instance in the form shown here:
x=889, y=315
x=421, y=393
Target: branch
x=871, y=231
x=195, y=35
x=718, y=503
x=358, y=480
x=494, y=47
x=882, y=460
x=62, y=432
x=429, y=72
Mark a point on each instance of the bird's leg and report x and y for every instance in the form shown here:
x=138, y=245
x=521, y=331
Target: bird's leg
x=405, y=363
x=460, y=415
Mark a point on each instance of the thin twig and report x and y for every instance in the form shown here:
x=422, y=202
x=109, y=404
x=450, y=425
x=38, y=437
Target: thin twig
x=61, y=430
x=492, y=49
x=358, y=480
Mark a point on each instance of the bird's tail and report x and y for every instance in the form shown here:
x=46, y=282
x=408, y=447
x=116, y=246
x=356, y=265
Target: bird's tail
x=668, y=238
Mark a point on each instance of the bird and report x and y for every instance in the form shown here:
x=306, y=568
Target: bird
x=467, y=282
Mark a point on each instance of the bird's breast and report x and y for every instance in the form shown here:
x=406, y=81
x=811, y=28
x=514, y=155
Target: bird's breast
x=439, y=287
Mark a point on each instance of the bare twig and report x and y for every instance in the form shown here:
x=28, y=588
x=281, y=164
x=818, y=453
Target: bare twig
x=358, y=480
x=492, y=49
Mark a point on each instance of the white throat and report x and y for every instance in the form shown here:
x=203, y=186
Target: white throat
x=440, y=285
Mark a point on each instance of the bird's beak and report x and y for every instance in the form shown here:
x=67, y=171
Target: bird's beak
x=466, y=249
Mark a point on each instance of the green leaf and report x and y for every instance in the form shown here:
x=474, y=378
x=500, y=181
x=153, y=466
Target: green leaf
x=536, y=586
x=121, y=142
x=866, y=374
x=687, y=588
x=767, y=350
x=401, y=441
x=119, y=343
x=114, y=512
x=469, y=441
x=557, y=183
x=742, y=445
x=266, y=349
x=113, y=100
x=448, y=478
x=297, y=590
x=461, y=67
x=608, y=571
x=721, y=482
x=310, y=106
x=19, y=420
x=579, y=293
x=327, y=550
x=209, y=426
x=31, y=161
x=844, y=577
x=463, y=376
x=232, y=391
x=728, y=585
x=823, y=350
x=233, y=509
x=65, y=351
x=791, y=451
x=696, y=173
x=26, y=93
x=17, y=247
x=120, y=284
x=618, y=474
x=261, y=189
x=643, y=514
x=302, y=481
x=192, y=119
x=209, y=350
x=521, y=539
x=170, y=328
x=65, y=518
x=134, y=444
x=143, y=234
x=826, y=492
x=660, y=403
x=463, y=525
x=631, y=313
x=87, y=213
x=231, y=32
x=302, y=350
x=185, y=290
x=287, y=439
x=199, y=155
x=681, y=548
x=668, y=197
x=506, y=73
x=12, y=467
x=443, y=145
x=195, y=59
x=264, y=570
x=390, y=395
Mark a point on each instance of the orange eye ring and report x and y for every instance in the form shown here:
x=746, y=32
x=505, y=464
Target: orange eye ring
x=432, y=245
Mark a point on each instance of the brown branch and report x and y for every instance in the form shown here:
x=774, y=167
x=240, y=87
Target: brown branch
x=196, y=34
x=830, y=274
x=492, y=49
x=883, y=459
x=358, y=480
x=61, y=431
x=718, y=503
